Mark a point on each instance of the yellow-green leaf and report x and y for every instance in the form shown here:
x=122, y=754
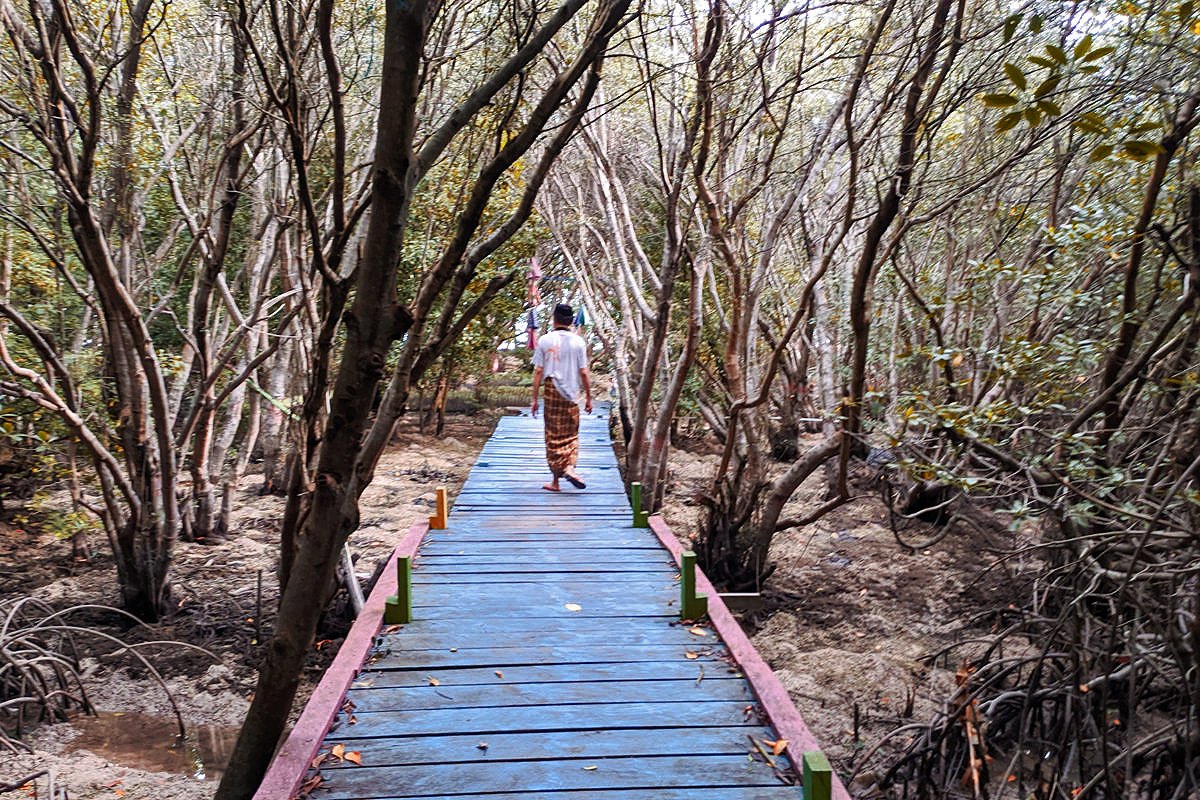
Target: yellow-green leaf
x=1046, y=87
x=1008, y=121
x=1035, y=23
x=1092, y=123
x=998, y=100
x=1057, y=53
x=1098, y=53
x=1049, y=108
x=1100, y=152
x=1140, y=148
x=1010, y=26
x=1015, y=75
x=1033, y=116
x=1042, y=62
x=1083, y=46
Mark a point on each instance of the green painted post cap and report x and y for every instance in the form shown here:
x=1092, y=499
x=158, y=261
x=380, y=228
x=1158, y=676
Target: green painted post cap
x=817, y=777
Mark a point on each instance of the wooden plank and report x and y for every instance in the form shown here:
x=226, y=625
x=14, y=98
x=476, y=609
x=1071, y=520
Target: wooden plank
x=408, y=675
x=496, y=605
x=464, y=535
x=583, y=547
x=629, y=581
x=451, y=780
x=540, y=694
x=565, y=717
x=527, y=567
x=531, y=655
x=690, y=793
x=550, y=556
x=459, y=748
x=572, y=586
x=418, y=639
x=444, y=634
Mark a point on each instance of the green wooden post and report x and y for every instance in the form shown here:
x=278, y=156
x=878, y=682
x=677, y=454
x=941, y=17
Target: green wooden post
x=398, y=609
x=691, y=605
x=818, y=777
x=640, y=518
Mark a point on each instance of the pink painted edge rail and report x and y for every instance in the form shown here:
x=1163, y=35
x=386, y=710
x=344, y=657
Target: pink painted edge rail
x=776, y=702
x=293, y=759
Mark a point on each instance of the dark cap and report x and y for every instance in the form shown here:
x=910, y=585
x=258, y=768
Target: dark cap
x=563, y=314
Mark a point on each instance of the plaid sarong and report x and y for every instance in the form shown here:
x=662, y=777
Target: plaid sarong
x=561, y=419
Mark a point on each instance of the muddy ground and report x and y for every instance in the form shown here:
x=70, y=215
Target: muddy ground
x=851, y=624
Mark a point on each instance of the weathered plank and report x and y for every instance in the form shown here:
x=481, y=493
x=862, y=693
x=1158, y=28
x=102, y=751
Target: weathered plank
x=449, y=780
x=443, y=635
x=459, y=748
x=530, y=654
x=541, y=694
x=562, y=717
x=650, y=671
x=690, y=793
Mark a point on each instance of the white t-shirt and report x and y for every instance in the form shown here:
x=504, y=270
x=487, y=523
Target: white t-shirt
x=561, y=354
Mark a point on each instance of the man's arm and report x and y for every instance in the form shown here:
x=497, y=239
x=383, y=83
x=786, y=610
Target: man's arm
x=585, y=378
x=537, y=382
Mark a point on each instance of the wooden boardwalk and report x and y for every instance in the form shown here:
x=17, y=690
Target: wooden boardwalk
x=546, y=656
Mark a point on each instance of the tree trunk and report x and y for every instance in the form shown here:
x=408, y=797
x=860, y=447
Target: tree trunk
x=373, y=322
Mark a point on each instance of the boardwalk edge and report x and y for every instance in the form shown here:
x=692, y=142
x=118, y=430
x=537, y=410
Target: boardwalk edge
x=293, y=759
x=776, y=702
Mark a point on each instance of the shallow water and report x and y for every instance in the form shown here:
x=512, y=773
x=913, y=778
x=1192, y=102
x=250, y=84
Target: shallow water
x=148, y=742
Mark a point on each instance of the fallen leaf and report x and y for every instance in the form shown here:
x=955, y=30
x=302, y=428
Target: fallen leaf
x=453, y=649
x=324, y=642
x=119, y=792
x=481, y=746
x=352, y=721
x=319, y=760
x=697, y=632
x=590, y=767
x=778, y=746
x=691, y=656
x=354, y=757
x=434, y=682
x=573, y=607
x=393, y=628
x=311, y=784
x=499, y=674
x=338, y=752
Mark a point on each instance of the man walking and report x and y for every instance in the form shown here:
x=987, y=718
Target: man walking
x=560, y=364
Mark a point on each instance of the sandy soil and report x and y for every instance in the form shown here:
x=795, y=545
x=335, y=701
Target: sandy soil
x=131, y=750
x=851, y=624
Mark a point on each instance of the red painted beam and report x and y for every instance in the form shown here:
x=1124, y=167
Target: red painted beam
x=780, y=709
x=293, y=759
